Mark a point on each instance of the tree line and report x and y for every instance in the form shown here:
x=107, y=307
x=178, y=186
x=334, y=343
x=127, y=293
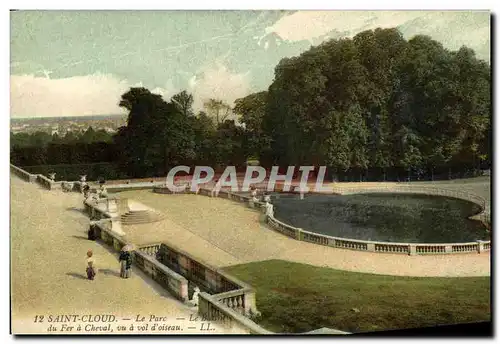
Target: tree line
x=371, y=107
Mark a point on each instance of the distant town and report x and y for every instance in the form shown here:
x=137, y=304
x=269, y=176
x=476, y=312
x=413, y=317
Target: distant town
x=63, y=125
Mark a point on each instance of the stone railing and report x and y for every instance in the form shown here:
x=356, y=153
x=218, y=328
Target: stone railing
x=94, y=211
x=281, y=227
x=176, y=284
x=24, y=175
x=208, y=278
x=150, y=249
x=372, y=246
x=168, y=279
x=234, y=299
x=416, y=189
x=363, y=245
x=35, y=178
x=102, y=229
x=212, y=309
x=377, y=246
x=230, y=306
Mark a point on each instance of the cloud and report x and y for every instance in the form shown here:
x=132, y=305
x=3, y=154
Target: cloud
x=452, y=28
x=217, y=81
x=36, y=96
x=306, y=25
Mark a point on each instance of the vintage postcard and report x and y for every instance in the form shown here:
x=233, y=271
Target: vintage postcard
x=250, y=172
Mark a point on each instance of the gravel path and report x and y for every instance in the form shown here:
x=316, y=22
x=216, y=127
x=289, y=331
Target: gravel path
x=223, y=232
x=48, y=257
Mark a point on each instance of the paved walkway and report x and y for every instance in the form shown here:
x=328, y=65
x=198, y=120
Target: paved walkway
x=223, y=232
x=48, y=255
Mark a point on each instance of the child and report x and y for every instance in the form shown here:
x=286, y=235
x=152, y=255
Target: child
x=91, y=269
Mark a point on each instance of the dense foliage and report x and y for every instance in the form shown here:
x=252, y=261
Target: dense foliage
x=378, y=102
x=370, y=108
x=40, y=148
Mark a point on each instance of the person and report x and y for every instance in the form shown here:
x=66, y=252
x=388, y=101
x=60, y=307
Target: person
x=254, y=192
x=267, y=197
x=92, y=235
x=269, y=209
x=125, y=262
x=91, y=268
x=103, y=192
x=86, y=191
x=195, y=298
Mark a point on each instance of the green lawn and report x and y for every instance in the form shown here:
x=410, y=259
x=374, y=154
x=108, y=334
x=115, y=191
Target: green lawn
x=296, y=298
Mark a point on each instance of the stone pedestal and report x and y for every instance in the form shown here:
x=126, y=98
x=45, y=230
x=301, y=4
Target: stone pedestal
x=116, y=227
x=250, y=306
x=298, y=234
x=480, y=246
x=122, y=205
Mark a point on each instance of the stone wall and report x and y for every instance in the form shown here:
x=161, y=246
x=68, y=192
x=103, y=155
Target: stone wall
x=170, y=280
x=235, y=293
x=362, y=245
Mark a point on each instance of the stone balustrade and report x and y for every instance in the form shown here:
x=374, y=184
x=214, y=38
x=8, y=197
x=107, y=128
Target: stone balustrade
x=176, y=284
x=235, y=299
x=300, y=234
x=24, y=175
x=150, y=249
x=468, y=247
x=363, y=245
x=350, y=244
x=390, y=248
x=229, y=306
x=419, y=189
x=94, y=211
x=220, y=308
x=282, y=227
x=376, y=246
x=214, y=310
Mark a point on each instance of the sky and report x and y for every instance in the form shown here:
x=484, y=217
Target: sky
x=71, y=63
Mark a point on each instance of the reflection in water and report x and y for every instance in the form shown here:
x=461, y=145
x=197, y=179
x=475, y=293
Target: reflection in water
x=383, y=217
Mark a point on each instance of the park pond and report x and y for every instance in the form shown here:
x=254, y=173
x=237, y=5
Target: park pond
x=408, y=218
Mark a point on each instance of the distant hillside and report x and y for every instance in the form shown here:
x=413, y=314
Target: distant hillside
x=67, y=118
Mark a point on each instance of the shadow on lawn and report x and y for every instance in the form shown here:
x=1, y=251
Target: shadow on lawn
x=109, y=272
x=81, y=237
x=76, y=275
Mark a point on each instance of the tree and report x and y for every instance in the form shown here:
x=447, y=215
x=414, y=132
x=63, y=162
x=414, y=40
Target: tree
x=218, y=110
x=378, y=102
x=251, y=110
x=158, y=134
x=184, y=103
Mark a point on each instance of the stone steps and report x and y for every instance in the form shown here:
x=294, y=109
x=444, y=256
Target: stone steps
x=140, y=217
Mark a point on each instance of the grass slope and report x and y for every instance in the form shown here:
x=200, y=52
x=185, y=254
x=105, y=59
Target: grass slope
x=296, y=298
